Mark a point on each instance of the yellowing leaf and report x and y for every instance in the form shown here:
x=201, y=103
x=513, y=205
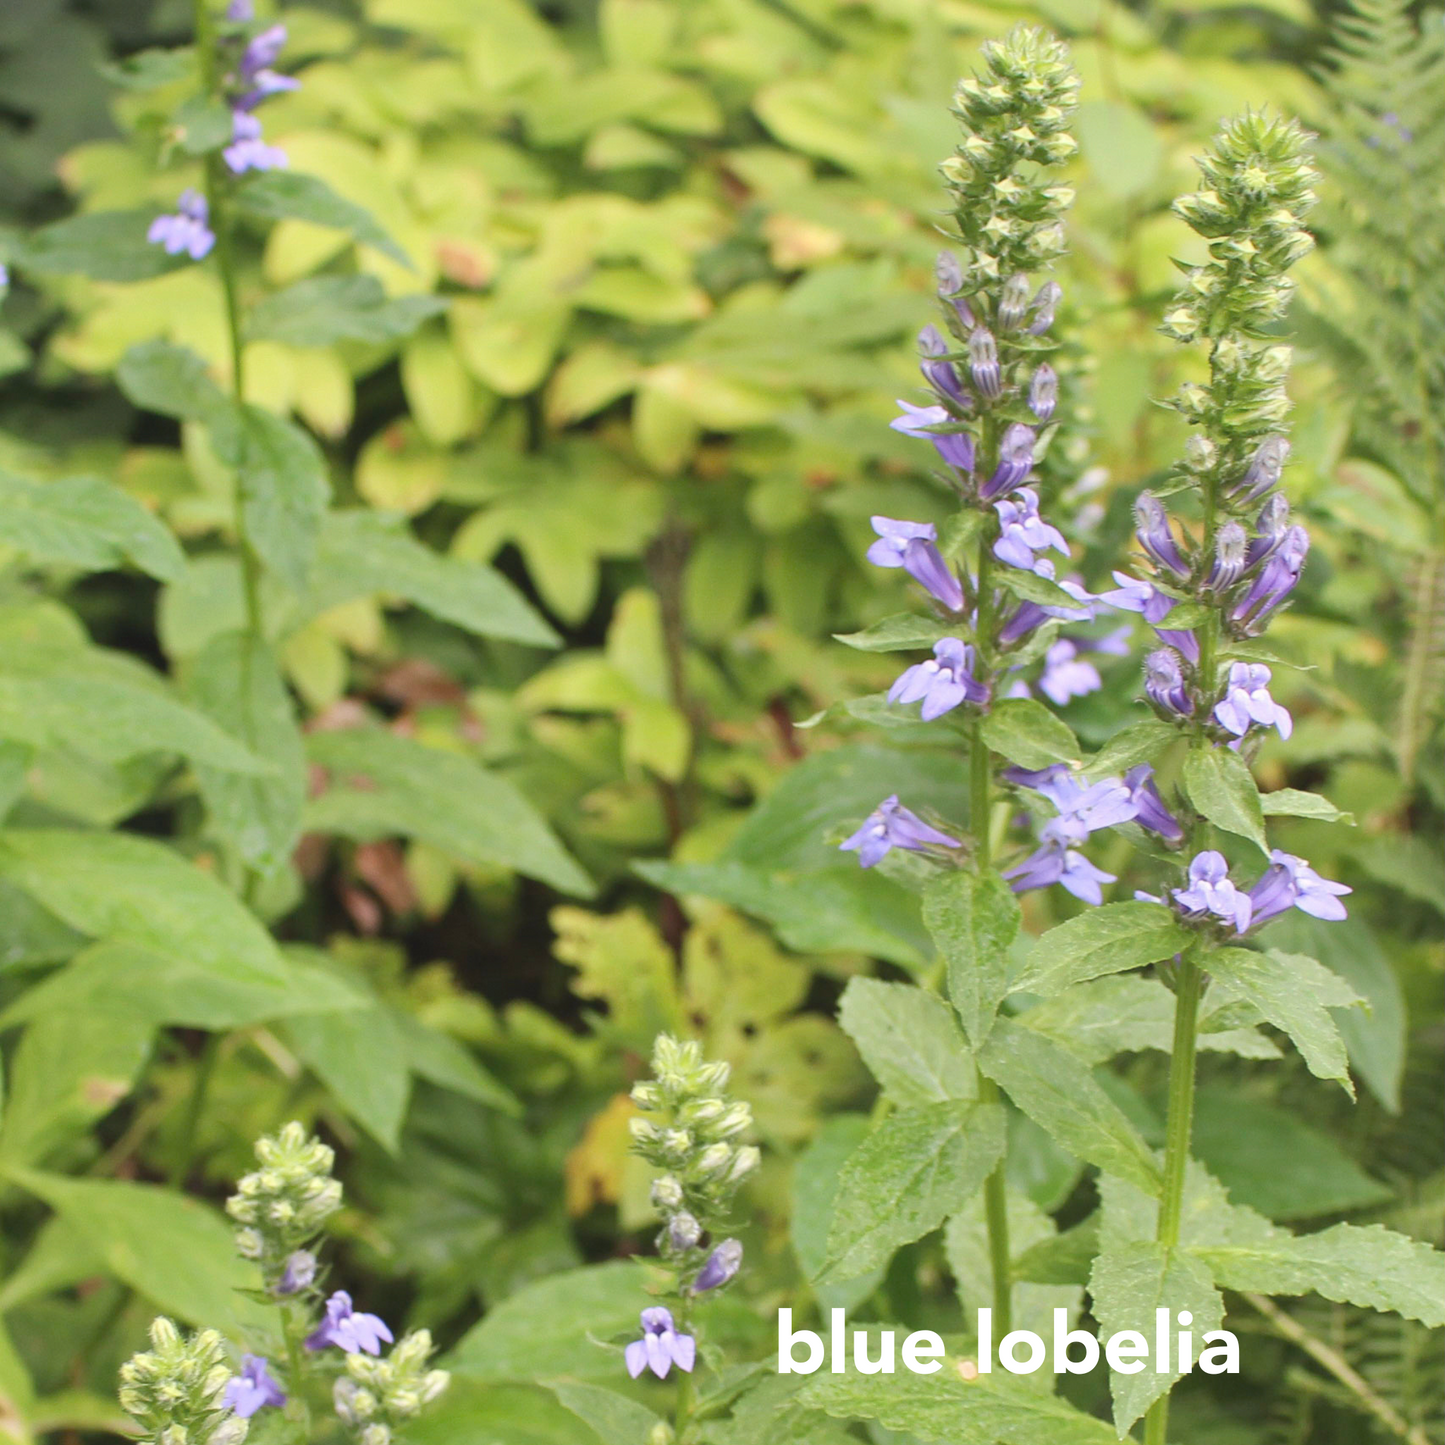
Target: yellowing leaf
x=594, y=1166
x=397, y=471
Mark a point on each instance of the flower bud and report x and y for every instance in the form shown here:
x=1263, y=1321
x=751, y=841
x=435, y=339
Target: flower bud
x=1045, y=304
x=667, y=1193
x=683, y=1233
x=1013, y=302
x=983, y=363
x=1043, y=392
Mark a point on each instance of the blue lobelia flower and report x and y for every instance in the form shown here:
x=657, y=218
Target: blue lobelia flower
x=1264, y=470
x=1155, y=536
x=660, y=1347
x=1015, y=462
x=1022, y=532
x=1053, y=863
x=1271, y=527
x=1044, y=392
x=253, y=1389
x=1247, y=701
x=913, y=546
x=983, y=363
x=1066, y=675
x=1164, y=683
x=940, y=374
x=1149, y=809
x=348, y=1329
x=890, y=825
x=1274, y=581
x=1231, y=547
x=188, y=230
x=1290, y=882
x=1046, y=303
x=1212, y=894
x=721, y=1265
x=299, y=1274
x=942, y=683
x=956, y=448
x=247, y=151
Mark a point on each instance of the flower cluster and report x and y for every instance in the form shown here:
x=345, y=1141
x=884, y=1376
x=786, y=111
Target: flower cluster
x=177, y=1390
x=282, y=1206
x=1288, y=882
x=374, y=1397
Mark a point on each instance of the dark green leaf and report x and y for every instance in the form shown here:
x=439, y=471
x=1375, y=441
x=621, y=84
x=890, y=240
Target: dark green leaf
x=974, y=919
x=441, y=1060
x=289, y=195
x=909, y=1041
x=1291, y=803
x=1027, y=733
x=1099, y=941
x=1221, y=786
x=150, y=69
x=104, y=245
x=815, y=1190
x=327, y=309
x=358, y=1053
x=1063, y=1258
x=616, y=1419
x=1140, y=742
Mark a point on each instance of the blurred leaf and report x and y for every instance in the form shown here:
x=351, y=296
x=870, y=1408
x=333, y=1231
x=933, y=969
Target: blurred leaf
x=169, y=380
x=1121, y=146
x=616, y=1419
x=327, y=309
x=290, y=195
x=104, y=245
x=815, y=1188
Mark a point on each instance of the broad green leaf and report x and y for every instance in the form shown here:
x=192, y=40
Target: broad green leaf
x=1063, y=1258
x=104, y=245
x=85, y=522
x=362, y=553
x=169, y=380
x=1140, y=742
x=1058, y=1092
x=235, y=681
x=472, y=1413
x=326, y=309
x=1025, y=732
x=289, y=195
x=381, y=784
x=284, y=486
x=1221, y=786
x=1292, y=803
x=974, y=919
x=914, y=1170
x=909, y=1041
x=1127, y=1285
x=30, y=934
x=175, y=1252
x=616, y=1419
x=150, y=69
x=903, y=632
x=1110, y=939
x=547, y=1328
x=442, y=1060
x=815, y=1191
x=1295, y=994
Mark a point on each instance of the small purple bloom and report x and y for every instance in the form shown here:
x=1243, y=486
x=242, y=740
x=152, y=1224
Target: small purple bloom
x=1022, y=532
x=348, y=1329
x=262, y=52
x=1272, y=526
x=1248, y=701
x=253, y=1388
x=722, y=1264
x=912, y=546
x=939, y=374
x=187, y=230
x=1053, y=863
x=956, y=448
x=1029, y=615
x=1044, y=392
x=1133, y=595
x=299, y=1274
x=942, y=683
x=1149, y=809
x=1015, y=462
x=1264, y=470
x=660, y=1347
x=247, y=151
x=1230, y=549
x=1276, y=580
x=1211, y=893
x=983, y=363
x=683, y=1232
x=1164, y=683
x=1082, y=810
x=1066, y=675
x=1290, y=882
x=949, y=275
x=890, y=825
x=1046, y=302
x=1035, y=778
x=1013, y=302
x=1155, y=536
x=241, y=12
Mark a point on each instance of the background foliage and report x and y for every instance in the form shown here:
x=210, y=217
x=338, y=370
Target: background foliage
x=603, y=453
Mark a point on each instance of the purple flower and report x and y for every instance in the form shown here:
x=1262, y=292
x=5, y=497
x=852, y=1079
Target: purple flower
x=1290, y=882
x=983, y=363
x=912, y=546
x=1035, y=778
x=1083, y=810
x=1053, y=863
x=253, y=1388
x=722, y=1264
x=948, y=274
x=1149, y=809
x=262, y=51
x=683, y=1232
x=1276, y=580
x=1015, y=462
x=890, y=825
x=1164, y=683
x=1272, y=526
x=1230, y=549
x=956, y=448
x=660, y=1347
x=1066, y=675
x=241, y=12
x=187, y=230
x=1133, y=595
x=1046, y=302
x=1155, y=536
x=299, y=1274
x=1211, y=894
x=247, y=151
x=1248, y=701
x=347, y=1329
x=939, y=374
x=1044, y=392
x=1022, y=532
x=1030, y=614
x=1264, y=470
x=1013, y=302
x=942, y=683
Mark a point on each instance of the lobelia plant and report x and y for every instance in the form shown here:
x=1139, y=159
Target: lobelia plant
x=183, y=1391
x=1022, y=1024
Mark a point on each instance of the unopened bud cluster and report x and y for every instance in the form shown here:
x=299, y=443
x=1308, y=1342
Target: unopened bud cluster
x=375, y=1396
x=282, y=1206
x=174, y=1391
x=690, y=1130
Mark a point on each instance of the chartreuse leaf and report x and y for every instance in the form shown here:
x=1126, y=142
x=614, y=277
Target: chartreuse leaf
x=235, y=681
x=902, y=632
x=291, y=196
x=17, y=1391
x=382, y=784
x=85, y=522
x=1027, y=733
x=441, y=1060
x=1128, y=1284
x=170, y=380
x=1221, y=786
x=1295, y=994
x=998, y=1408
x=323, y=310
x=909, y=1041
x=914, y=1170
x=973, y=918
x=1059, y=1093
x=1110, y=939
x=616, y=1419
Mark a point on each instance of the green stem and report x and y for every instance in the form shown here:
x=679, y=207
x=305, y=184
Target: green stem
x=293, y=1331
x=995, y=1213
x=1189, y=986
x=200, y=1086
x=686, y=1395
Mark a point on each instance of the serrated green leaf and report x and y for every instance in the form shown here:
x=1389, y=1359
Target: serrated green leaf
x=1295, y=994
x=1221, y=786
x=914, y=1170
x=815, y=1190
x=281, y=195
x=1292, y=803
x=973, y=919
x=909, y=1041
x=1025, y=732
x=169, y=380
x=1109, y=939
x=1140, y=742
x=1065, y=1258
x=1059, y=1093
x=902, y=632
x=323, y=310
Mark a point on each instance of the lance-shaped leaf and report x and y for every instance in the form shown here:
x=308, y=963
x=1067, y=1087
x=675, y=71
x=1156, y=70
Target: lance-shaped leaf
x=1221, y=786
x=1295, y=994
x=973, y=918
x=914, y=1170
x=1027, y=733
x=1292, y=803
x=104, y=245
x=291, y=196
x=323, y=310
x=1058, y=1091
x=909, y=1041
x=903, y=632
x=1110, y=939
